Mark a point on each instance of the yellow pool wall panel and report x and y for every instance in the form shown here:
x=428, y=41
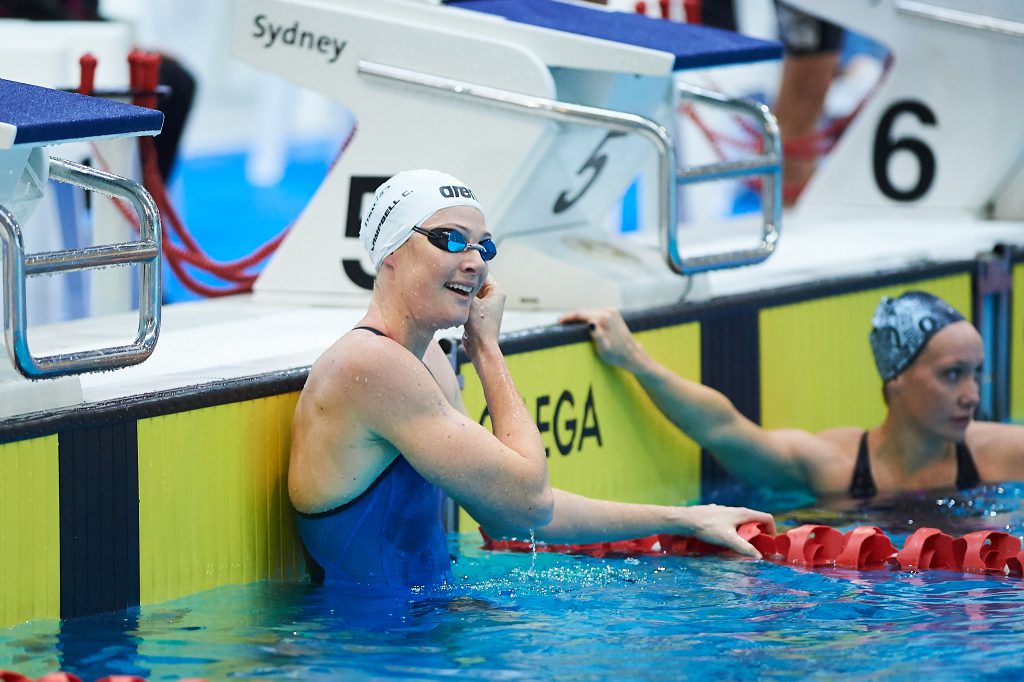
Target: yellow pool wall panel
x=604, y=436
x=213, y=498
x=817, y=370
x=29, y=531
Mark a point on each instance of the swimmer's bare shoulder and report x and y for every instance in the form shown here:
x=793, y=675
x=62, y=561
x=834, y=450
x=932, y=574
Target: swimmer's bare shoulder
x=825, y=459
x=336, y=451
x=998, y=450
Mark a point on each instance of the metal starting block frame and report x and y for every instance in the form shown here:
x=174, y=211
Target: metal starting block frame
x=31, y=118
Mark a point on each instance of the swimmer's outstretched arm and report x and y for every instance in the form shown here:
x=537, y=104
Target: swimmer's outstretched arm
x=579, y=519
x=748, y=452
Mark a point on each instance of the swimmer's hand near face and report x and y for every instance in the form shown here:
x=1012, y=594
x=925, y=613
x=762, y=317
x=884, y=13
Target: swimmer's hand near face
x=484, y=323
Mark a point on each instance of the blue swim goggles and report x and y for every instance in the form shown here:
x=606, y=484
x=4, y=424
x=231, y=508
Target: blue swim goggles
x=454, y=241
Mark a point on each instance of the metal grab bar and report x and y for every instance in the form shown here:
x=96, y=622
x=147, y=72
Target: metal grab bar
x=668, y=174
x=17, y=266
x=559, y=111
x=981, y=22
x=768, y=166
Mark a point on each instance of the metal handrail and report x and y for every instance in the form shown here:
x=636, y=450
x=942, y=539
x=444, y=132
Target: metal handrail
x=17, y=267
x=668, y=174
x=559, y=111
x=768, y=166
x=981, y=22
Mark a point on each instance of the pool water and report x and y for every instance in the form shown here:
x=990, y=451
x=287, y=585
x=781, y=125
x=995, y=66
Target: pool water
x=519, y=616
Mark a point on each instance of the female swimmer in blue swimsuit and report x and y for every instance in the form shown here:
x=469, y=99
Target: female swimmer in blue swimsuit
x=380, y=429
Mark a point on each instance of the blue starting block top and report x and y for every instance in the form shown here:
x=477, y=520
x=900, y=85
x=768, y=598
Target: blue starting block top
x=34, y=116
x=693, y=46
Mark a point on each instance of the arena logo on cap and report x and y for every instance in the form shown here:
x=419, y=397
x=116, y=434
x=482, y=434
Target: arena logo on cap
x=452, y=191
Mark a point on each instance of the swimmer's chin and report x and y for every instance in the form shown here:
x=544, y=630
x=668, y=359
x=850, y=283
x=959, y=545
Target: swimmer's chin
x=456, y=324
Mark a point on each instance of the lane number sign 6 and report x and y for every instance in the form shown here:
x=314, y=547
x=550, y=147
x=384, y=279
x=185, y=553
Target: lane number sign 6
x=886, y=146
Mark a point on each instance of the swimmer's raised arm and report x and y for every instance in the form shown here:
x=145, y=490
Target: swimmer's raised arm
x=503, y=480
x=781, y=458
x=510, y=418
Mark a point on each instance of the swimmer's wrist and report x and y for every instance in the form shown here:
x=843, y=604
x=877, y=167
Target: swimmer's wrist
x=681, y=520
x=639, y=363
x=485, y=351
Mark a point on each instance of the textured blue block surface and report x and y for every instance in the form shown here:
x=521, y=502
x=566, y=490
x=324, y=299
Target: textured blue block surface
x=45, y=116
x=693, y=46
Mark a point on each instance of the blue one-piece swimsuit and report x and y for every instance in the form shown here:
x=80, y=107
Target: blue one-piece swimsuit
x=392, y=535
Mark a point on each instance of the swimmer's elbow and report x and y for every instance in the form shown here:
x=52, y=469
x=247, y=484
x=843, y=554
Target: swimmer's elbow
x=544, y=509
x=536, y=503
x=534, y=512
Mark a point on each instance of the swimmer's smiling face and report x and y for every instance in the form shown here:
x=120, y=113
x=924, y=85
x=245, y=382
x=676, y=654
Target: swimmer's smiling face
x=445, y=283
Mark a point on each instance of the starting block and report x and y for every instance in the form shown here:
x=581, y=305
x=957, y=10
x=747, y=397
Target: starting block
x=547, y=109
x=32, y=118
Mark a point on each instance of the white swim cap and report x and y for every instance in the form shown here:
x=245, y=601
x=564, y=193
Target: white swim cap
x=405, y=201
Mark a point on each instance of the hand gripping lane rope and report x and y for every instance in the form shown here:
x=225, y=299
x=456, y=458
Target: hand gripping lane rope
x=864, y=548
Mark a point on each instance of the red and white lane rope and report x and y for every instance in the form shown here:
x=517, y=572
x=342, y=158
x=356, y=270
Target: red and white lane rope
x=863, y=548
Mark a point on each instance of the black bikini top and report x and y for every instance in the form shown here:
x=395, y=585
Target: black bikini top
x=863, y=484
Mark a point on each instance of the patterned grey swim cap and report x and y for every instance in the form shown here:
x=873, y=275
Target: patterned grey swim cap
x=902, y=326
